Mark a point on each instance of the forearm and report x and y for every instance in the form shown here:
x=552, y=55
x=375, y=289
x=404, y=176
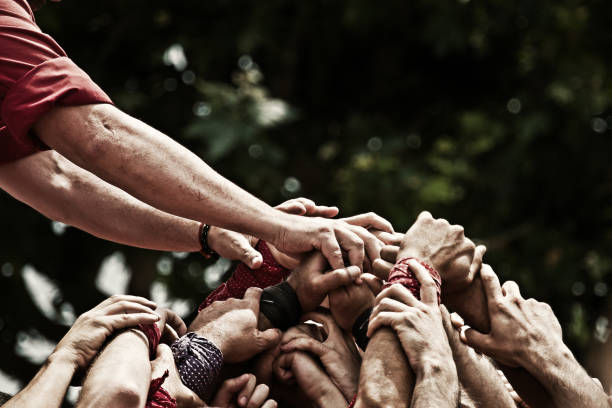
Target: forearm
x=565, y=380
x=386, y=379
x=65, y=192
x=436, y=385
x=478, y=377
x=471, y=304
x=121, y=374
x=48, y=387
x=154, y=168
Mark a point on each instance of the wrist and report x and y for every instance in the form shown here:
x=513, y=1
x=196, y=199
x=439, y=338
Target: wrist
x=435, y=366
x=214, y=336
x=541, y=360
x=272, y=226
x=64, y=358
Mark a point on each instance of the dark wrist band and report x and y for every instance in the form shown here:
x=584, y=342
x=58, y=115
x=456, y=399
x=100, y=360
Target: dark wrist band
x=204, y=248
x=280, y=304
x=360, y=329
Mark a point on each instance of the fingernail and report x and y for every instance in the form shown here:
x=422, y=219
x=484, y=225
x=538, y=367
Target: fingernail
x=243, y=400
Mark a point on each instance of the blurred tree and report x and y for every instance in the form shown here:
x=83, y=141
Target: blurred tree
x=494, y=114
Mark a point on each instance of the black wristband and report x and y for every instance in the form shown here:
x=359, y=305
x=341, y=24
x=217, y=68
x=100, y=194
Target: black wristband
x=204, y=248
x=280, y=304
x=360, y=329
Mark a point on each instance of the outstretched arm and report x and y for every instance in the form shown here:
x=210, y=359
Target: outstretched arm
x=526, y=333
x=64, y=192
x=157, y=170
x=79, y=346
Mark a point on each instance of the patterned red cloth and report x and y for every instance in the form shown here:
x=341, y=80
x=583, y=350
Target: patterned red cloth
x=153, y=335
x=270, y=273
x=158, y=397
x=402, y=274
x=35, y=76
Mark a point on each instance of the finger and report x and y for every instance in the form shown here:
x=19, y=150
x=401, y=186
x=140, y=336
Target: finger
x=270, y=404
x=174, y=320
x=425, y=215
x=389, y=253
x=382, y=268
x=330, y=248
x=352, y=244
x=125, y=306
x=268, y=338
x=388, y=238
x=456, y=320
x=282, y=367
x=389, y=305
x=447, y=323
x=329, y=324
x=314, y=210
x=478, y=341
x=428, y=291
x=247, y=391
x=228, y=389
x=292, y=207
x=259, y=396
x=398, y=292
x=118, y=322
x=476, y=264
x=305, y=344
x=382, y=319
x=370, y=221
x=511, y=289
x=337, y=278
x=373, y=282
x=253, y=295
x=372, y=244
x=491, y=285
x=129, y=298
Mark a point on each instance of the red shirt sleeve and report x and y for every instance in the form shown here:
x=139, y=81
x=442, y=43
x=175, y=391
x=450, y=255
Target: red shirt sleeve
x=35, y=76
x=270, y=273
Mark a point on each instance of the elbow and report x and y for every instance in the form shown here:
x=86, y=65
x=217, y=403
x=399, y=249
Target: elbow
x=116, y=396
x=128, y=397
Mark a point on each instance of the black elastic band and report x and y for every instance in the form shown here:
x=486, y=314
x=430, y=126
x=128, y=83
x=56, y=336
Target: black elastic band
x=280, y=304
x=360, y=329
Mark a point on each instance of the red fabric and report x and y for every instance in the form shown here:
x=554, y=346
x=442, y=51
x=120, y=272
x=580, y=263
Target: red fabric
x=270, y=273
x=402, y=274
x=158, y=397
x=153, y=335
x=35, y=76
x=352, y=403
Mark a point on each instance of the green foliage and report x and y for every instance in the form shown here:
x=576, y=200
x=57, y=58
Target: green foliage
x=493, y=114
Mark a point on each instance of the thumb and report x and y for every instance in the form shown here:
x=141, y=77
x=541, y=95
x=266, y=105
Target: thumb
x=268, y=338
x=246, y=254
x=339, y=277
x=478, y=341
x=229, y=389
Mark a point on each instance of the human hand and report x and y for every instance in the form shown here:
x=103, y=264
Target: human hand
x=442, y=246
x=310, y=377
x=232, y=326
x=311, y=283
x=243, y=391
x=91, y=329
x=299, y=235
x=241, y=247
x=170, y=325
x=348, y=302
x=337, y=352
x=418, y=324
x=164, y=360
x=521, y=330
